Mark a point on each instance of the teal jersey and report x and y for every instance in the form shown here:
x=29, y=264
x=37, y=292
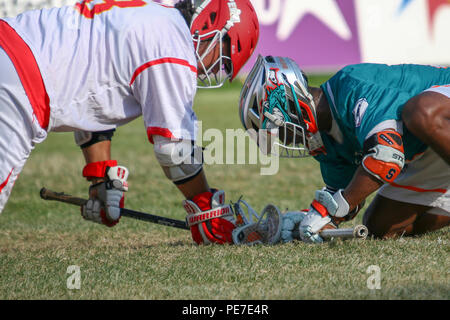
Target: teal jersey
x=363, y=96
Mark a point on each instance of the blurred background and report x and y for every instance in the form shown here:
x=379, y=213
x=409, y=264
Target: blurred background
x=324, y=35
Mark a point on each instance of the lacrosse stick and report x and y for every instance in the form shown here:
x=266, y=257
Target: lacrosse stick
x=358, y=232
x=266, y=228
x=256, y=229
x=62, y=197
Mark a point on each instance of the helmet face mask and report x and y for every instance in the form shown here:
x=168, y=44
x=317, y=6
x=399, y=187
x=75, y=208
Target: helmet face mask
x=275, y=98
x=212, y=74
x=229, y=24
x=291, y=141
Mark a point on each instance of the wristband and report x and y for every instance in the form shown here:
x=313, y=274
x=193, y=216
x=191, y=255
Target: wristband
x=97, y=169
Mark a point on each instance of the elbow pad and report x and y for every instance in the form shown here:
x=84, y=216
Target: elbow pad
x=180, y=160
x=384, y=155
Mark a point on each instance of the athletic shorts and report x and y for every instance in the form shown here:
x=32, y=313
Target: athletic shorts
x=424, y=181
x=19, y=128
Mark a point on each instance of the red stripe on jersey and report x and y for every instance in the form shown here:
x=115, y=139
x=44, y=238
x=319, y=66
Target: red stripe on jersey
x=164, y=132
x=161, y=61
x=28, y=72
x=165, y=5
x=417, y=189
x=6, y=181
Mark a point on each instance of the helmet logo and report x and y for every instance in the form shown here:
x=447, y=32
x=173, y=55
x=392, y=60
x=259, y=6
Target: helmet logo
x=235, y=13
x=275, y=100
x=273, y=76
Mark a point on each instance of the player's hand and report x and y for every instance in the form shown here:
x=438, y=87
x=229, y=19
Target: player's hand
x=311, y=225
x=290, y=224
x=107, y=197
x=318, y=217
x=210, y=220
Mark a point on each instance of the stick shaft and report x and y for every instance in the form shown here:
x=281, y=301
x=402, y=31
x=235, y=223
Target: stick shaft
x=62, y=197
x=337, y=233
x=358, y=232
x=154, y=219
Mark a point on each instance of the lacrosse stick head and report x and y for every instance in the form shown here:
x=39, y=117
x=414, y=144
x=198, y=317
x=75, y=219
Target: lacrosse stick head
x=254, y=228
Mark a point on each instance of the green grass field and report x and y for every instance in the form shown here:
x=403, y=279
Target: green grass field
x=136, y=260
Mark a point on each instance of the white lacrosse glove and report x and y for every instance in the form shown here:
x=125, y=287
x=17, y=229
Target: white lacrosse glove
x=290, y=224
x=324, y=206
x=106, y=198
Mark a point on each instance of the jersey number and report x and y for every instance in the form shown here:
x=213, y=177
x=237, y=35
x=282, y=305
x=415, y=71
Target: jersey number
x=90, y=11
x=390, y=174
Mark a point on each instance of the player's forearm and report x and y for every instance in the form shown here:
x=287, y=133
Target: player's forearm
x=195, y=186
x=361, y=186
x=100, y=151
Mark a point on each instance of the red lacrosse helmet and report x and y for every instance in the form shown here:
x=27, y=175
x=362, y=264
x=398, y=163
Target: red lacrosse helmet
x=219, y=19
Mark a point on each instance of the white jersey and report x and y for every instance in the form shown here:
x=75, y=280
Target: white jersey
x=106, y=62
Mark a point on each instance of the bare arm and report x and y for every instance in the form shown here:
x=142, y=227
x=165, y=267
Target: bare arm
x=195, y=186
x=383, y=162
x=100, y=151
x=427, y=116
x=360, y=187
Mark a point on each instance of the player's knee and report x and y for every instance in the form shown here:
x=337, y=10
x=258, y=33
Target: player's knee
x=374, y=225
x=378, y=218
x=379, y=230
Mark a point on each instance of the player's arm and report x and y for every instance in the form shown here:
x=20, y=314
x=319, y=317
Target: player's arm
x=383, y=159
x=108, y=180
x=197, y=185
x=427, y=116
x=209, y=218
x=166, y=94
x=382, y=162
x=362, y=185
x=100, y=151
x=96, y=146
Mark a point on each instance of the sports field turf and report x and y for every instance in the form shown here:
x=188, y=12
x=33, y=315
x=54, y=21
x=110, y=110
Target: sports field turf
x=136, y=260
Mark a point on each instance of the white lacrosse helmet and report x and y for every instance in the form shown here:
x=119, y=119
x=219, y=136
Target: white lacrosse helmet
x=277, y=110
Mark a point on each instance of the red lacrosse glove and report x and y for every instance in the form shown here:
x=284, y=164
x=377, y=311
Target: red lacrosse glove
x=210, y=220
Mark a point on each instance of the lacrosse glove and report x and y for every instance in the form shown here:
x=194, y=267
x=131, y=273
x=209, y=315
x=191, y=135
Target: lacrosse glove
x=323, y=210
x=210, y=220
x=290, y=225
x=106, y=197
